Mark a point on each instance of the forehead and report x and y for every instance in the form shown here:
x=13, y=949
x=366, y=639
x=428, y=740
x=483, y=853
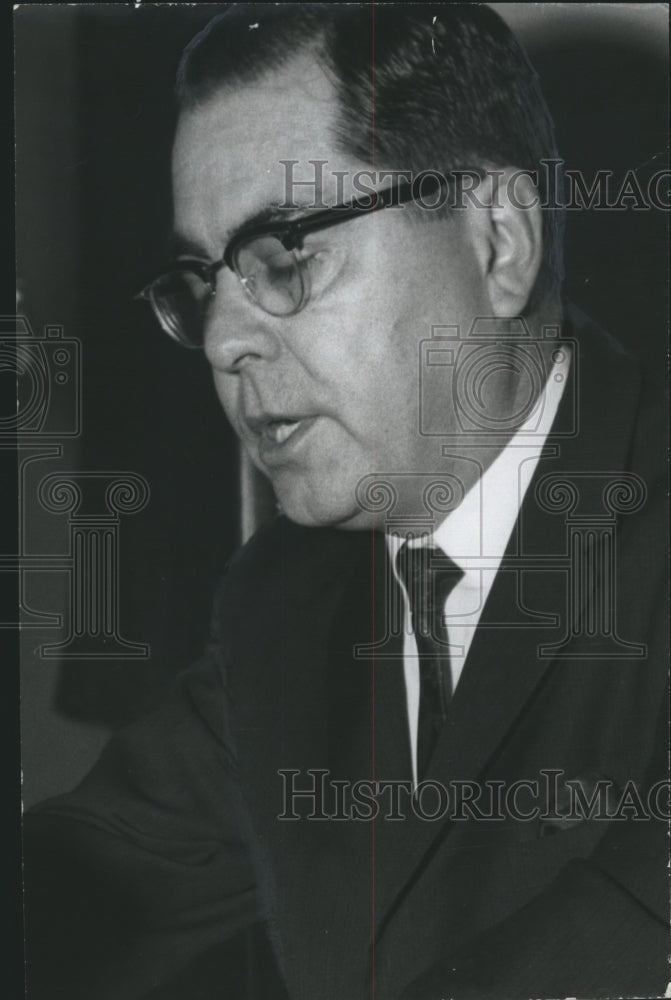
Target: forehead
x=228, y=152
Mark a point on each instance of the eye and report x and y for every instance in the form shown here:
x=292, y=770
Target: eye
x=322, y=264
x=278, y=266
x=196, y=264
x=316, y=261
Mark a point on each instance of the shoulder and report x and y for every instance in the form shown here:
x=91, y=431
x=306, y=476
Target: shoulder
x=619, y=395
x=624, y=425
x=287, y=560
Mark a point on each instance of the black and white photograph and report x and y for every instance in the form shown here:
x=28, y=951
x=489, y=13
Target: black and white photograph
x=341, y=361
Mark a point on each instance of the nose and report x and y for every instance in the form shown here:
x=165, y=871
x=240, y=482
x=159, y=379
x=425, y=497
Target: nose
x=237, y=331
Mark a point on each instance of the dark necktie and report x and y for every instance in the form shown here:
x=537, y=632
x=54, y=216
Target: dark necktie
x=429, y=577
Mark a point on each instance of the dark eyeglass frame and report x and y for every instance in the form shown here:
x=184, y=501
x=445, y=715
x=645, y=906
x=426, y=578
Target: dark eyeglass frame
x=290, y=234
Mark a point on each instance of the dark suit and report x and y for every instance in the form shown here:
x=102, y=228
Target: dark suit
x=176, y=830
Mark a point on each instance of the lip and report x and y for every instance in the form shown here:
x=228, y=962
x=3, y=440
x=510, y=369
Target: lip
x=272, y=451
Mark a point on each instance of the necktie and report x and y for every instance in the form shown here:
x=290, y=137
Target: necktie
x=429, y=577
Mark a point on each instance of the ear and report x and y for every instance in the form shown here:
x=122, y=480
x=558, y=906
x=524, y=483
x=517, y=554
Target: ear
x=511, y=238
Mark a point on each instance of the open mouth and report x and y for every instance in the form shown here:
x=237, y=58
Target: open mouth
x=281, y=439
x=277, y=437
x=279, y=431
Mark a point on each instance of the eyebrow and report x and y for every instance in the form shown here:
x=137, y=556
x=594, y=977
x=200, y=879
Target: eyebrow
x=183, y=246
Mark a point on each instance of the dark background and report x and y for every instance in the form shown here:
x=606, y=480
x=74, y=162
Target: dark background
x=94, y=121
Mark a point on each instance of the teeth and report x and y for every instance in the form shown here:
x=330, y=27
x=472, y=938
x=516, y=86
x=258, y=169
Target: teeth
x=279, y=431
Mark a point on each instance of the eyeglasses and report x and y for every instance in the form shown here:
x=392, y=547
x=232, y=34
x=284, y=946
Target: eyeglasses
x=267, y=260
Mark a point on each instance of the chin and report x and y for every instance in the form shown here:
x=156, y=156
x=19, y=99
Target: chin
x=321, y=510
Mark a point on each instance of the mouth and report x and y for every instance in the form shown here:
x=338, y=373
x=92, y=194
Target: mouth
x=277, y=437
x=276, y=432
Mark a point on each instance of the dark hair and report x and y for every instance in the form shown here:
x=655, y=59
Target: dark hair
x=445, y=87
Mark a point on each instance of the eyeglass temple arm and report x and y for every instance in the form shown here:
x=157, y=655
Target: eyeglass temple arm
x=398, y=194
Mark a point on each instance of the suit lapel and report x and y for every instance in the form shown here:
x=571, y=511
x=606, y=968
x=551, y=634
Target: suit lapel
x=368, y=731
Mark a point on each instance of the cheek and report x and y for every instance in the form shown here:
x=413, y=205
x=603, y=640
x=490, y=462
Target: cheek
x=370, y=377
x=370, y=366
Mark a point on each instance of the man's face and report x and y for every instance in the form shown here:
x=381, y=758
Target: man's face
x=344, y=371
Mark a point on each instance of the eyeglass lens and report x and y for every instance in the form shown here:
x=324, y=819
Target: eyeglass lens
x=180, y=299
x=270, y=273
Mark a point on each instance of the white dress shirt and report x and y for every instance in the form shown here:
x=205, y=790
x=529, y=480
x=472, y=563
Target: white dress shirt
x=475, y=535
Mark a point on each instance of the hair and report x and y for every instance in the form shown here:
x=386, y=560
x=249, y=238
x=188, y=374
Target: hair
x=445, y=86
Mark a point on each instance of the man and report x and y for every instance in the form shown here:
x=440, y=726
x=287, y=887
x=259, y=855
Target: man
x=453, y=628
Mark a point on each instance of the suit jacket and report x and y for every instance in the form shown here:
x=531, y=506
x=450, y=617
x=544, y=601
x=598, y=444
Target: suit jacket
x=173, y=845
